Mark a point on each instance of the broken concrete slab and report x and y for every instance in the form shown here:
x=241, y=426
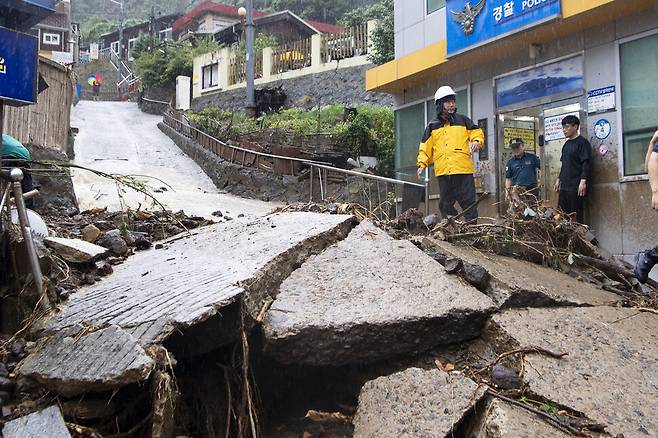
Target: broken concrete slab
x=47, y=423
x=195, y=275
x=414, y=403
x=75, y=250
x=610, y=372
x=367, y=298
x=503, y=420
x=518, y=283
x=98, y=361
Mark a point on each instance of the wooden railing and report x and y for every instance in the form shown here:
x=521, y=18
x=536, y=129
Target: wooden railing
x=348, y=44
x=237, y=69
x=291, y=56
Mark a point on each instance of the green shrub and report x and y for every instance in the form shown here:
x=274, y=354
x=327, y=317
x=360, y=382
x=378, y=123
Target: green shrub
x=368, y=132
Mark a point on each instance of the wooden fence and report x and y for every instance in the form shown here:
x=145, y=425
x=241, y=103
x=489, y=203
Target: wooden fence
x=347, y=44
x=291, y=56
x=237, y=69
x=46, y=123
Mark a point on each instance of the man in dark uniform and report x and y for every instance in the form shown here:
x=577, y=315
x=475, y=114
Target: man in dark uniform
x=574, y=173
x=521, y=170
x=646, y=260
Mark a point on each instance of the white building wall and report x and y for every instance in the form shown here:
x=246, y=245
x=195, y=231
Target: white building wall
x=414, y=28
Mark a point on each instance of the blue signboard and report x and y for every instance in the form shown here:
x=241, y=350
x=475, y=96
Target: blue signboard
x=18, y=66
x=471, y=23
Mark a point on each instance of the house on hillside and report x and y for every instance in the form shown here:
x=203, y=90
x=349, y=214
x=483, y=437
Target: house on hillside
x=285, y=26
x=162, y=28
x=225, y=23
x=58, y=37
x=517, y=71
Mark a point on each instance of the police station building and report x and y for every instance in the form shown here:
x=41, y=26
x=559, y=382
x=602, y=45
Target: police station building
x=520, y=66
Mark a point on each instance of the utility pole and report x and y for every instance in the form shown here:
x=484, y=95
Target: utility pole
x=250, y=109
x=152, y=28
x=120, y=51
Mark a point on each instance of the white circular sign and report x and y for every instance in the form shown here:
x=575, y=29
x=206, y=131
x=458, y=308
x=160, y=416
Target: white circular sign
x=602, y=129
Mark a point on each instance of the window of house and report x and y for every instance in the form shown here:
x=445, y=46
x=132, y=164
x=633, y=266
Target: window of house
x=115, y=46
x=210, y=76
x=165, y=34
x=435, y=5
x=51, y=38
x=639, y=97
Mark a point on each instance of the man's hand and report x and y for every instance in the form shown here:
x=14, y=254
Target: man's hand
x=474, y=146
x=654, y=201
x=420, y=172
x=582, y=187
x=557, y=185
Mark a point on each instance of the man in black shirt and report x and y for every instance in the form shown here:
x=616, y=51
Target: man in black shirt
x=646, y=260
x=572, y=182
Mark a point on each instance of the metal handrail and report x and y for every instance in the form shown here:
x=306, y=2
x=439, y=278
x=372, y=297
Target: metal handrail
x=238, y=148
x=323, y=167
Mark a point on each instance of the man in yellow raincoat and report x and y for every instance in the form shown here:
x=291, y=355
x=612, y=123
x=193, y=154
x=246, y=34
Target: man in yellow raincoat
x=448, y=143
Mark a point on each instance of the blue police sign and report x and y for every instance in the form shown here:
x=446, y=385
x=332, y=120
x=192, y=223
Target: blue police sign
x=18, y=67
x=471, y=23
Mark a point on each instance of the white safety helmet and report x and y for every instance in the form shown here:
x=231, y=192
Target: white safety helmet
x=444, y=91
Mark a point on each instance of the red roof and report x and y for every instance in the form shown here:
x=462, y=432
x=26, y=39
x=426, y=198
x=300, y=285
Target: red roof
x=232, y=11
x=325, y=27
x=208, y=6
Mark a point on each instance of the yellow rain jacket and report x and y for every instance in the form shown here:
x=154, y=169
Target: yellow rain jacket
x=446, y=145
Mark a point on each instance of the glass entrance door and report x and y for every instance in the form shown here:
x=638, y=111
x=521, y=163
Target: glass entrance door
x=524, y=124
x=554, y=139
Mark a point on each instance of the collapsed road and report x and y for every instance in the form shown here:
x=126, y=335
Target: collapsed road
x=305, y=324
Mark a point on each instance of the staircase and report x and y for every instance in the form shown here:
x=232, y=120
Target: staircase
x=118, y=80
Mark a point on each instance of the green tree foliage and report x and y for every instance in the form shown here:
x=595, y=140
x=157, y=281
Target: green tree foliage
x=261, y=41
x=320, y=10
x=369, y=131
x=160, y=64
x=92, y=29
x=383, y=38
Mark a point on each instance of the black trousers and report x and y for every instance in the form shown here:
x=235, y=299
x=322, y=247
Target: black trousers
x=569, y=202
x=460, y=189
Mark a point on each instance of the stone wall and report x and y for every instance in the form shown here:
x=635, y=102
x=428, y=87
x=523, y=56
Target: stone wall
x=163, y=94
x=344, y=86
x=238, y=180
x=56, y=188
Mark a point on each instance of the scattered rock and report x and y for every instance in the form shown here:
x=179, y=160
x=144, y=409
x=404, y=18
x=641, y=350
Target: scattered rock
x=414, y=403
x=47, y=423
x=504, y=377
x=113, y=241
x=217, y=213
x=332, y=208
x=228, y=218
x=454, y=266
x=477, y=276
x=241, y=215
x=75, y=250
x=4, y=372
x=104, y=268
x=91, y=233
x=18, y=347
x=7, y=385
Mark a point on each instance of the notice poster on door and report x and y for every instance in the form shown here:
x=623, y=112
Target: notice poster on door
x=527, y=135
x=553, y=126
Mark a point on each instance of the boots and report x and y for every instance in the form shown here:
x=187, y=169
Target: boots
x=644, y=261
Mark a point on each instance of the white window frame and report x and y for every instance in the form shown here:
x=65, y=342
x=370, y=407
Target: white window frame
x=167, y=34
x=52, y=39
x=114, y=46
x=210, y=86
x=619, y=109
